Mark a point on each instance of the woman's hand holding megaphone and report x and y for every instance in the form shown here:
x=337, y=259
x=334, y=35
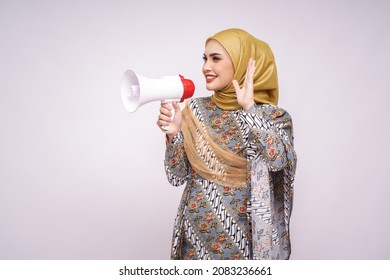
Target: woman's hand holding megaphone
x=165, y=120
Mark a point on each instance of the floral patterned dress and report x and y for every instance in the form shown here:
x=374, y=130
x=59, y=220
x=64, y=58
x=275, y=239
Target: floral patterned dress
x=216, y=221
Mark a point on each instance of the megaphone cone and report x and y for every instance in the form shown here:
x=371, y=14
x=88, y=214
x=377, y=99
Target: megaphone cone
x=137, y=90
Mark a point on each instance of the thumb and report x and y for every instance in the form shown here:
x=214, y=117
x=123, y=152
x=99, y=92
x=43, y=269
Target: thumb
x=236, y=85
x=176, y=106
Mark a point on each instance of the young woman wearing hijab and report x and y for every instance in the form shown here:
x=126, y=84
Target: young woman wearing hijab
x=234, y=150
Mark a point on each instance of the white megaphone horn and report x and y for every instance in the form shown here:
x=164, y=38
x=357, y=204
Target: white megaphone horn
x=137, y=90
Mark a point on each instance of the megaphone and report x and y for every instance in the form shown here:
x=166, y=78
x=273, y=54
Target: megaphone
x=137, y=90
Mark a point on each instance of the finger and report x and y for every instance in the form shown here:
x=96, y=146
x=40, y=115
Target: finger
x=164, y=118
x=164, y=121
x=165, y=111
x=175, y=106
x=166, y=106
x=250, y=71
x=253, y=68
x=162, y=124
x=251, y=64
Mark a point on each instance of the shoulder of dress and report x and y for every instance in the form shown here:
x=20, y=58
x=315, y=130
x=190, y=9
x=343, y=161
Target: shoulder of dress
x=198, y=101
x=191, y=103
x=273, y=111
x=201, y=99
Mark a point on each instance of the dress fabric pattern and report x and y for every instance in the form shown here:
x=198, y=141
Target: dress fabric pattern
x=236, y=222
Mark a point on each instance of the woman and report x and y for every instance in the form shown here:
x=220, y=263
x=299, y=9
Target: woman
x=234, y=150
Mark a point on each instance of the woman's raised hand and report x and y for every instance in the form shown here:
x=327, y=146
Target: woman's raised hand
x=165, y=119
x=245, y=95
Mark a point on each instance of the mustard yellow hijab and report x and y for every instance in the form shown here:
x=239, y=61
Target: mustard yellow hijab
x=240, y=45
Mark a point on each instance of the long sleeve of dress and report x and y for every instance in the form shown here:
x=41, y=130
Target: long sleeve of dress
x=176, y=162
x=268, y=130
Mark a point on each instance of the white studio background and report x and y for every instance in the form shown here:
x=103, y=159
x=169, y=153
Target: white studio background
x=81, y=178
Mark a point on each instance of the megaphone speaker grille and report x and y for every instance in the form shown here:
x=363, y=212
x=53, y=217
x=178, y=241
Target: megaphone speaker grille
x=130, y=91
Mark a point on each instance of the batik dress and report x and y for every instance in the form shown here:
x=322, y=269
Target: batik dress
x=216, y=221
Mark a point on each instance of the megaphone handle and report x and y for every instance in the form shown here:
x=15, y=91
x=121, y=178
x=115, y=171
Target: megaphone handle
x=167, y=127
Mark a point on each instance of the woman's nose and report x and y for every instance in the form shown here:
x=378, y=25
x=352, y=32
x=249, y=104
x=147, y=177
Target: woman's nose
x=207, y=66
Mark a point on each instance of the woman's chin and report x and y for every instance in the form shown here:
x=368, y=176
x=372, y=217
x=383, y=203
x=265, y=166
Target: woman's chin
x=208, y=87
x=211, y=87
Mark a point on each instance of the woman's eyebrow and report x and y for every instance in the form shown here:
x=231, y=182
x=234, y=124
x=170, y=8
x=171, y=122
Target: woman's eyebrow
x=212, y=54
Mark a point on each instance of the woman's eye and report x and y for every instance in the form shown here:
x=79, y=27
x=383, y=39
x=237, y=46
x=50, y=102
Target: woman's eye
x=204, y=58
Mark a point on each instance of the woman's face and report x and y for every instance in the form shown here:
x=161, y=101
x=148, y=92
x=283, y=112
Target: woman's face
x=217, y=68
